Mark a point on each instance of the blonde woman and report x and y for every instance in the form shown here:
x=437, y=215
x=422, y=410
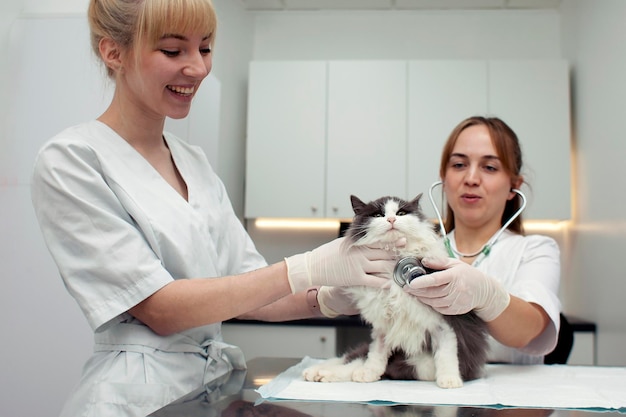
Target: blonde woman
x=143, y=232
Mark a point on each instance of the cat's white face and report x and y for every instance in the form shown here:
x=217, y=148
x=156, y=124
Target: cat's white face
x=392, y=225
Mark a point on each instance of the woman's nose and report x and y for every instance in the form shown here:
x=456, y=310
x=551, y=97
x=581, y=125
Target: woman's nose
x=472, y=176
x=198, y=66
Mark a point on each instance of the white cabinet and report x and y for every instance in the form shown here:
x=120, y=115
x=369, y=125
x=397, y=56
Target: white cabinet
x=366, y=132
x=584, y=349
x=320, y=131
x=276, y=340
x=441, y=94
x=533, y=98
x=286, y=149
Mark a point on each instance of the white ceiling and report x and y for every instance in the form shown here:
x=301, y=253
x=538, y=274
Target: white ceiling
x=277, y=5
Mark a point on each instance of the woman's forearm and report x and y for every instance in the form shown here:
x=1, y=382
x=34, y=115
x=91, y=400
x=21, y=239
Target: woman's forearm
x=188, y=303
x=519, y=323
x=291, y=307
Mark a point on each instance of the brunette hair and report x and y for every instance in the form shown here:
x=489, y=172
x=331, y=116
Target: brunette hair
x=131, y=23
x=509, y=152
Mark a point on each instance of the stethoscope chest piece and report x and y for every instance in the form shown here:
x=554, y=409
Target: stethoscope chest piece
x=407, y=269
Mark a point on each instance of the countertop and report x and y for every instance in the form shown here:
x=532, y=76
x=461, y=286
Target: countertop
x=235, y=395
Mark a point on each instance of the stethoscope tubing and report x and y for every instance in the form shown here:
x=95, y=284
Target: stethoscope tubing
x=487, y=246
x=409, y=268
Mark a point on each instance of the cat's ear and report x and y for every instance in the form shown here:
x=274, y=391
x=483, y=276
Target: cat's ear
x=357, y=204
x=417, y=199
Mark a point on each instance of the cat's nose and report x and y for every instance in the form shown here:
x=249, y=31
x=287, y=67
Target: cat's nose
x=391, y=220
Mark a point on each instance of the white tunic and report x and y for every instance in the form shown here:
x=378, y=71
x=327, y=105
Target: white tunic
x=118, y=233
x=529, y=267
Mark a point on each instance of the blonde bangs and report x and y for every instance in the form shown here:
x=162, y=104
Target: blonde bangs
x=163, y=17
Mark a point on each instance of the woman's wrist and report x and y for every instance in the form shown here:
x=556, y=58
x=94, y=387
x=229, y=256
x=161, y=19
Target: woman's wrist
x=313, y=303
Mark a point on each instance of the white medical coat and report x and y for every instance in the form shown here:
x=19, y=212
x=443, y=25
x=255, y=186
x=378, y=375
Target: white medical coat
x=529, y=267
x=118, y=233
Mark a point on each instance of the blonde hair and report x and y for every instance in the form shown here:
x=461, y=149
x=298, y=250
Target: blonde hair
x=133, y=23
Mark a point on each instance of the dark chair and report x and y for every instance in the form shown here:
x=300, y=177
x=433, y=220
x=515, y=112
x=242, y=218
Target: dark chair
x=564, y=344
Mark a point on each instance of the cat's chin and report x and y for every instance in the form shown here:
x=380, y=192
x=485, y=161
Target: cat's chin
x=391, y=236
x=387, y=237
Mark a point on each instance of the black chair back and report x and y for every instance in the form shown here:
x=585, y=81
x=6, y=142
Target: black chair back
x=564, y=344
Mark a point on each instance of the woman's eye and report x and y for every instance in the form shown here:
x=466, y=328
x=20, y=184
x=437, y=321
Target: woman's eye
x=491, y=168
x=170, y=53
x=205, y=51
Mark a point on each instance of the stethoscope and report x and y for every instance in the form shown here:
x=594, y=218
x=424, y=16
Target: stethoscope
x=409, y=268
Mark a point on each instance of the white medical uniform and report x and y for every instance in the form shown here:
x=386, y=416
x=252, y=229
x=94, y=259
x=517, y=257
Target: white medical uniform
x=529, y=267
x=118, y=233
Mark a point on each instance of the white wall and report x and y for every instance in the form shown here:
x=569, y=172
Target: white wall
x=407, y=35
x=233, y=52
x=593, y=40
x=9, y=9
x=44, y=337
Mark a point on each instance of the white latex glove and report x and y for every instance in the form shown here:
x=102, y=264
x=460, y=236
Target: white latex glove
x=457, y=288
x=337, y=264
x=334, y=301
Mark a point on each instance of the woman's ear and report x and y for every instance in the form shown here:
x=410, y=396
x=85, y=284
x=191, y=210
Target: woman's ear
x=111, y=54
x=515, y=185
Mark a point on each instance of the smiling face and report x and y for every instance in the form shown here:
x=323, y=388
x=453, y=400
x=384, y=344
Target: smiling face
x=476, y=184
x=158, y=52
x=164, y=78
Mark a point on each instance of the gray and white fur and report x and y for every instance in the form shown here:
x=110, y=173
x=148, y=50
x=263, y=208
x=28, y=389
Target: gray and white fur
x=410, y=340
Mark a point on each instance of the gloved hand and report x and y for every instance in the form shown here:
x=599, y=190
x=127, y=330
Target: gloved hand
x=334, y=301
x=457, y=288
x=337, y=264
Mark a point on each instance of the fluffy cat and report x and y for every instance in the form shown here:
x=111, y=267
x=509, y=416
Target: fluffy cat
x=410, y=340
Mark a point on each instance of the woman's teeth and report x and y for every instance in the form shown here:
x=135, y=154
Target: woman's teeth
x=186, y=91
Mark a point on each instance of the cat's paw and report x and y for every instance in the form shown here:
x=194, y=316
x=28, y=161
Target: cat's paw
x=310, y=374
x=365, y=374
x=449, y=381
x=322, y=374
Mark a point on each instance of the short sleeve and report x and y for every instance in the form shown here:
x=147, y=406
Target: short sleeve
x=104, y=259
x=537, y=281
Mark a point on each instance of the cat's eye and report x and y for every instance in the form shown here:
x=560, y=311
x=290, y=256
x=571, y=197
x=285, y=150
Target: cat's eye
x=401, y=213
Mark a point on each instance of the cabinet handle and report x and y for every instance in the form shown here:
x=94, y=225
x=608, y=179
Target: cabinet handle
x=314, y=209
x=335, y=209
x=323, y=339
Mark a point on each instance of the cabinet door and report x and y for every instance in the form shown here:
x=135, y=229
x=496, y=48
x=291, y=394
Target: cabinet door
x=533, y=98
x=278, y=340
x=286, y=139
x=366, y=132
x=441, y=94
